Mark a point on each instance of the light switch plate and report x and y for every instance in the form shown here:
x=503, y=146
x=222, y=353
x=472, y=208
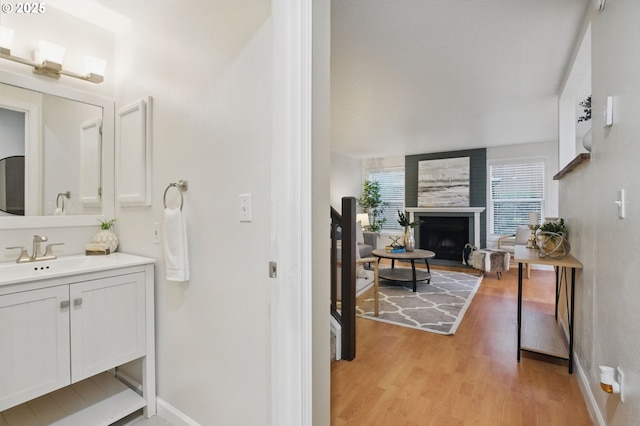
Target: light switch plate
x=244, y=207
x=620, y=202
x=608, y=112
x=156, y=233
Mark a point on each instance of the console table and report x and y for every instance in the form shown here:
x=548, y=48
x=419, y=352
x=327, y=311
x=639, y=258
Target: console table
x=541, y=333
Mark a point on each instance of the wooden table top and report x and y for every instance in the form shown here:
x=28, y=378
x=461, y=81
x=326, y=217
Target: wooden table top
x=407, y=255
x=532, y=256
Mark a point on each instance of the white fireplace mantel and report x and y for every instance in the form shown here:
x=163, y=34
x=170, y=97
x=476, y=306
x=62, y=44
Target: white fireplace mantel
x=475, y=210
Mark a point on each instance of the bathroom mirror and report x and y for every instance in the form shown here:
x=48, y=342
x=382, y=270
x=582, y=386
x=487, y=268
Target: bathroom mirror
x=65, y=138
x=12, y=185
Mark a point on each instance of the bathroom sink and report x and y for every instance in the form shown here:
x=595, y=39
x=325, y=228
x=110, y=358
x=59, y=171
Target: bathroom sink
x=14, y=273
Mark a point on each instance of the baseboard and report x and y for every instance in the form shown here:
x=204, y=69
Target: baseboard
x=165, y=410
x=173, y=415
x=587, y=394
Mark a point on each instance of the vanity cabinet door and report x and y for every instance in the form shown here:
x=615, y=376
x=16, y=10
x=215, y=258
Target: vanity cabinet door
x=107, y=323
x=34, y=344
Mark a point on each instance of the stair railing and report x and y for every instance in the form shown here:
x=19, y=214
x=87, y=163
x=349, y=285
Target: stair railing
x=343, y=229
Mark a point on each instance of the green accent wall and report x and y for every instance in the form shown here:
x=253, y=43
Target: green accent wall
x=477, y=180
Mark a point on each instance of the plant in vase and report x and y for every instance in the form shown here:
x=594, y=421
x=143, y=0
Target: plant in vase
x=586, y=108
x=106, y=235
x=371, y=202
x=409, y=239
x=552, y=238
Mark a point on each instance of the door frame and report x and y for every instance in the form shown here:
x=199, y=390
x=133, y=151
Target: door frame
x=291, y=195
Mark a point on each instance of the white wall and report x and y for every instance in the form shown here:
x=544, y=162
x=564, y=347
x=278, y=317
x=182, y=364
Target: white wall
x=608, y=292
x=346, y=178
x=207, y=67
x=321, y=195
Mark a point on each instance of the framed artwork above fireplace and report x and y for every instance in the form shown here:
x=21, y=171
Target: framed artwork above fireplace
x=467, y=166
x=444, y=182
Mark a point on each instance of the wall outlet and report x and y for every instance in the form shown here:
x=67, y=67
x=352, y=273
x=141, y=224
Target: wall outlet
x=156, y=233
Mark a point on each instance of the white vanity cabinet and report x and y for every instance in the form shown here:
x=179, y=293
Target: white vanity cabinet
x=60, y=334
x=35, y=346
x=107, y=323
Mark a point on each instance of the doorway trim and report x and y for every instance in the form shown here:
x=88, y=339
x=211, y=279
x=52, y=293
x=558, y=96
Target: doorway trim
x=291, y=194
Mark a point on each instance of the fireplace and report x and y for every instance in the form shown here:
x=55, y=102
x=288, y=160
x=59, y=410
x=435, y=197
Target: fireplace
x=445, y=236
x=446, y=230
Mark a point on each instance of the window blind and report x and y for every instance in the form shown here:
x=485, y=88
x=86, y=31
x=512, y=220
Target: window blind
x=516, y=190
x=391, y=182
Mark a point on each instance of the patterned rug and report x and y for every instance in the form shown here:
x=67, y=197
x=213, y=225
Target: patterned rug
x=437, y=307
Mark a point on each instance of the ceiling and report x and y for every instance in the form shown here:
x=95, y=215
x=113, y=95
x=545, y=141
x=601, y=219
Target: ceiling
x=420, y=76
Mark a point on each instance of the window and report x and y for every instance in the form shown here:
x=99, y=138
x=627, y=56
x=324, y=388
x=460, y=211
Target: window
x=391, y=180
x=516, y=190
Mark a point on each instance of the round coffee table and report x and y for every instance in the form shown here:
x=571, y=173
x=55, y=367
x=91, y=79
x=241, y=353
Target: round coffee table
x=405, y=274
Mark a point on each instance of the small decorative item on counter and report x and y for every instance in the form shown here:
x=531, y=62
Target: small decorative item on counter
x=96, y=249
x=106, y=235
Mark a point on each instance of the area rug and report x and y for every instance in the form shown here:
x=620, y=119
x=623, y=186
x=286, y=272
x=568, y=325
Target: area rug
x=437, y=307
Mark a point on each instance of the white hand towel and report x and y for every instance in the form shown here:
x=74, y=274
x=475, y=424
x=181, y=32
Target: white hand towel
x=58, y=212
x=176, y=257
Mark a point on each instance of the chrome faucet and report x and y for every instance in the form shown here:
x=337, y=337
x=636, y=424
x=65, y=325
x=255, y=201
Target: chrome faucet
x=36, y=255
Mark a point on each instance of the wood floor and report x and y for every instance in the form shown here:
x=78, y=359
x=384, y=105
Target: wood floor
x=403, y=376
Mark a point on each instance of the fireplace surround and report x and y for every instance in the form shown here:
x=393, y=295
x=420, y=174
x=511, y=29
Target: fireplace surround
x=445, y=230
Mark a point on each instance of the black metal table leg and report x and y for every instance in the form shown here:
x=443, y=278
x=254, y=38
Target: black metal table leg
x=413, y=270
x=519, y=307
x=428, y=270
x=558, y=287
x=573, y=287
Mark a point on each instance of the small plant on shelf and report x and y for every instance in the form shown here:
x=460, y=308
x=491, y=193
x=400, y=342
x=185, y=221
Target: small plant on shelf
x=586, y=107
x=552, y=239
x=106, y=224
x=556, y=227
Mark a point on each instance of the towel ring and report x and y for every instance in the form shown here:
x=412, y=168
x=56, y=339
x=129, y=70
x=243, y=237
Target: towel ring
x=181, y=185
x=63, y=195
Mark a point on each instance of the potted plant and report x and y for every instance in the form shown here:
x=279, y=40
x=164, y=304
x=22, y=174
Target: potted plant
x=371, y=203
x=409, y=240
x=106, y=235
x=552, y=238
x=586, y=108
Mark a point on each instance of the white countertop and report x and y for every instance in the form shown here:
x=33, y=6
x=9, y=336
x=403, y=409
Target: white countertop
x=14, y=273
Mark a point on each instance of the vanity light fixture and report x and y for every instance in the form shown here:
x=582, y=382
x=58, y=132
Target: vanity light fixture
x=48, y=60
